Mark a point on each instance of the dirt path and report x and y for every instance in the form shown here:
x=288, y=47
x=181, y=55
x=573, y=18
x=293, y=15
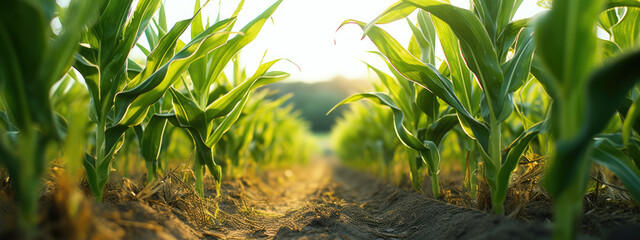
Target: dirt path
x=322, y=201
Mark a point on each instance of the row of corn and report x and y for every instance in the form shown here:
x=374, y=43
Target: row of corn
x=71, y=91
x=548, y=85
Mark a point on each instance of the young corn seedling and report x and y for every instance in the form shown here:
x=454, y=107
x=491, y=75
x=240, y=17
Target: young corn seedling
x=121, y=91
x=32, y=59
x=479, y=41
x=587, y=91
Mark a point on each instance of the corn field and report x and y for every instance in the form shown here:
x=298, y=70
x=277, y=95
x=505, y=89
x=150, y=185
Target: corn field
x=476, y=96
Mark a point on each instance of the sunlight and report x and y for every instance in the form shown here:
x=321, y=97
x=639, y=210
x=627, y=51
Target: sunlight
x=304, y=32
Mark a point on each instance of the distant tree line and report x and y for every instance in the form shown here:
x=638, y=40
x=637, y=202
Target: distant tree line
x=314, y=100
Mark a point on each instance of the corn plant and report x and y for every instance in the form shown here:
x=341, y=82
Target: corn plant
x=151, y=134
x=422, y=134
x=479, y=41
x=30, y=63
x=589, y=80
x=121, y=91
x=196, y=106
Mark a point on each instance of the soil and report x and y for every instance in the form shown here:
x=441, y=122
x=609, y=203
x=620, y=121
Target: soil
x=321, y=200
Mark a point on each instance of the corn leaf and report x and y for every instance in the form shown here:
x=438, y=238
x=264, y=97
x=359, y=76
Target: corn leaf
x=442, y=126
x=512, y=154
x=627, y=33
x=426, y=76
x=221, y=56
x=131, y=105
x=475, y=43
x=151, y=143
x=198, y=70
x=604, y=98
x=608, y=50
x=428, y=104
x=461, y=76
x=630, y=119
x=607, y=154
x=608, y=19
x=517, y=69
x=224, y=104
x=621, y=3
x=567, y=61
x=400, y=90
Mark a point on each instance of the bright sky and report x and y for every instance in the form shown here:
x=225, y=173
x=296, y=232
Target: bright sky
x=304, y=31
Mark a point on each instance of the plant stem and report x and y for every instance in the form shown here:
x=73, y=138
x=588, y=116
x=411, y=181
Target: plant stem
x=198, y=172
x=497, y=200
x=28, y=182
x=100, y=154
x=566, y=209
x=435, y=185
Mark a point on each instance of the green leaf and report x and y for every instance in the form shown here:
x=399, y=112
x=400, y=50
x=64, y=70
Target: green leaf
x=540, y=72
x=608, y=49
x=475, y=44
x=131, y=105
x=89, y=164
x=196, y=27
x=461, y=76
x=397, y=11
x=400, y=90
x=199, y=71
x=606, y=154
x=623, y=112
x=516, y=70
x=425, y=34
x=224, y=104
x=110, y=25
x=189, y=114
x=509, y=35
x=228, y=121
x=569, y=60
x=511, y=155
x=608, y=19
x=221, y=56
x=495, y=15
x=59, y=58
x=426, y=76
x=442, y=126
x=604, y=98
x=203, y=152
x=428, y=104
x=151, y=142
x=622, y=3
x=133, y=68
x=629, y=121
x=627, y=33
x=234, y=114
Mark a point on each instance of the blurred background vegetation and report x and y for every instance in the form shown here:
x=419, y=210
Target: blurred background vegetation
x=314, y=100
